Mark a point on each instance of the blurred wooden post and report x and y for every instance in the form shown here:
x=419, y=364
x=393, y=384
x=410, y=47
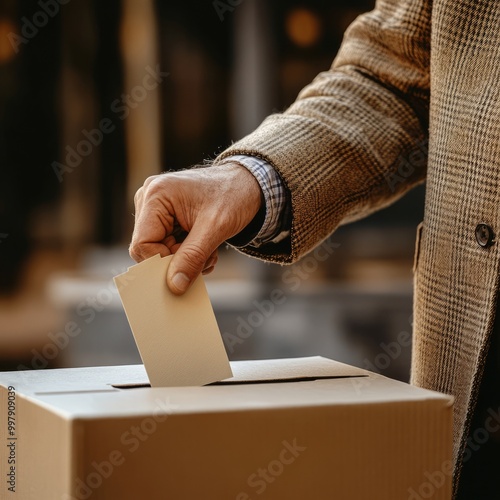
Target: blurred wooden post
x=78, y=113
x=254, y=73
x=139, y=44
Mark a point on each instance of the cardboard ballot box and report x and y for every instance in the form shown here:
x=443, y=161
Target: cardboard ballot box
x=279, y=429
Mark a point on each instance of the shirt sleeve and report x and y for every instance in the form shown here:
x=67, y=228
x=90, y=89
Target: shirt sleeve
x=276, y=225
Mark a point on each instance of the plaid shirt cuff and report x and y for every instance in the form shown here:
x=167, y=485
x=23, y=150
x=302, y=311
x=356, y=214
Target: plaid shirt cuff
x=274, y=228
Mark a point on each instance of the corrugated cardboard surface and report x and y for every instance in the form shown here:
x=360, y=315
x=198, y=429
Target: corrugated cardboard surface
x=349, y=437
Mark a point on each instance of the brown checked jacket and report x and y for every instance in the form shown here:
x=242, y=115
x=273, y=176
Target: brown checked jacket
x=413, y=95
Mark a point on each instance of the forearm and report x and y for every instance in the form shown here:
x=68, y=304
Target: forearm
x=339, y=146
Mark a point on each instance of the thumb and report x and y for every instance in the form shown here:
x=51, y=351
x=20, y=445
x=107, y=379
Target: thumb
x=190, y=259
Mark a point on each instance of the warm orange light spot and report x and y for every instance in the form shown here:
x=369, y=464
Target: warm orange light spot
x=7, y=30
x=303, y=27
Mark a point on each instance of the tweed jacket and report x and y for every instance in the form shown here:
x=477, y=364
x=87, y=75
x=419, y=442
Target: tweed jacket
x=413, y=95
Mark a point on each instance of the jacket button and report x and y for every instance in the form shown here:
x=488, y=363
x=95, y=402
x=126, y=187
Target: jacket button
x=485, y=236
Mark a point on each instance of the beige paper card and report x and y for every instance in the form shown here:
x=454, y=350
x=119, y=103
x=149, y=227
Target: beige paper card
x=177, y=336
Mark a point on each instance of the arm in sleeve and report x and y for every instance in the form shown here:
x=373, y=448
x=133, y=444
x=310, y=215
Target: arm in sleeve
x=355, y=139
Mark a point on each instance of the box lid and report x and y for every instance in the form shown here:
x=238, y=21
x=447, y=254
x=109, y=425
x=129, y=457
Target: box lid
x=130, y=376
x=263, y=384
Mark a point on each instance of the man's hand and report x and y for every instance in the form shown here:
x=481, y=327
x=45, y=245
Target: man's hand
x=189, y=214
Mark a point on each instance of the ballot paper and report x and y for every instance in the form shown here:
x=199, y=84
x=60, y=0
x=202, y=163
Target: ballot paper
x=177, y=336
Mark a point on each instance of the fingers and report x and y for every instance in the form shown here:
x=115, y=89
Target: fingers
x=146, y=250
x=211, y=204
x=153, y=222
x=157, y=231
x=198, y=253
x=210, y=264
x=208, y=271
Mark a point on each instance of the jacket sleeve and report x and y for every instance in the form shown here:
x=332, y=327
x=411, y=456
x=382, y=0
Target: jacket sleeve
x=355, y=139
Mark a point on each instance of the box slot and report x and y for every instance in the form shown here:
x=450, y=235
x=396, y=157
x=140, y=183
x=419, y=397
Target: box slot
x=247, y=382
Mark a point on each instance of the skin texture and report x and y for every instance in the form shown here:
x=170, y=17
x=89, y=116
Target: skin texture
x=189, y=214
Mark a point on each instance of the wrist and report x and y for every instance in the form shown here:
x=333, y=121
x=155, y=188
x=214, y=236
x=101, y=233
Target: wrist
x=243, y=184
x=249, y=191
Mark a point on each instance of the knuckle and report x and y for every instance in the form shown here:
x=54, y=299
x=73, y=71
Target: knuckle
x=196, y=255
x=156, y=185
x=138, y=195
x=150, y=179
x=134, y=252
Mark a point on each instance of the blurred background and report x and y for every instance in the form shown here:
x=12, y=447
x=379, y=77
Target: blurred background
x=95, y=97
